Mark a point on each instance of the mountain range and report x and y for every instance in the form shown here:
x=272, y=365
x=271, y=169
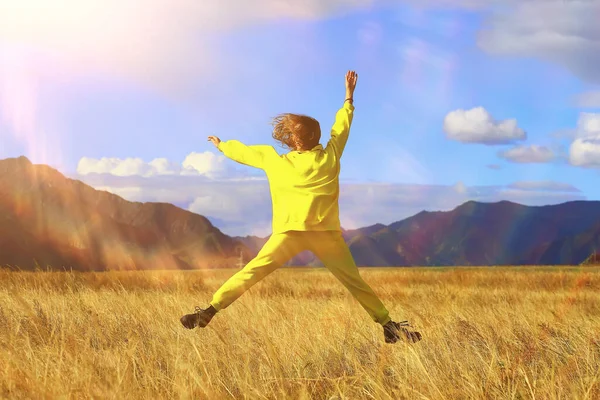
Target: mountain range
x=475, y=233
x=49, y=220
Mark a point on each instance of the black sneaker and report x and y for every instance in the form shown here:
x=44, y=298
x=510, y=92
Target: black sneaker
x=201, y=317
x=393, y=330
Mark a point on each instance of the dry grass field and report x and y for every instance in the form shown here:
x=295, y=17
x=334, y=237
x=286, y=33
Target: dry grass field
x=488, y=333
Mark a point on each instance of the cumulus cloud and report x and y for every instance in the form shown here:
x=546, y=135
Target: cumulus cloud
x=550, y=186
x=114, y=166
x=562, y=32
x=162, y=166
x=207, y=164
x=478, y=126
x=585, y=148
x=588, y=125
x=528, y=154
x=243, y=207
x=585, y=152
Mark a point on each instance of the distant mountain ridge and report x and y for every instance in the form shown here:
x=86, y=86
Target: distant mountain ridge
x=47, y=219
x=474, y=233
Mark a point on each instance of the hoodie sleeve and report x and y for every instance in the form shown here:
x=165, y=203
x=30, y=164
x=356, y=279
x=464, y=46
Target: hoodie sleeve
x=254, y=156
x=341, y=128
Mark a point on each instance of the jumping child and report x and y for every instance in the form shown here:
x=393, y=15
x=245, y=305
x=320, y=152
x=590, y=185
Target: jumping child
x=304, y=186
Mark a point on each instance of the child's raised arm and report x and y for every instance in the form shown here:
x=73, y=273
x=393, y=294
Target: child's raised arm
x=343, y=118
x=253, y=156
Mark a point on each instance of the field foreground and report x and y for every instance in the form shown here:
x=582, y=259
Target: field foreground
x=505, y=333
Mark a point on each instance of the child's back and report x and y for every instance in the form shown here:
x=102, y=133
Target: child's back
x=304, y=183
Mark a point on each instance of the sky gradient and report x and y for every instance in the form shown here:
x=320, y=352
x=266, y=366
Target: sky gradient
x=456, y=100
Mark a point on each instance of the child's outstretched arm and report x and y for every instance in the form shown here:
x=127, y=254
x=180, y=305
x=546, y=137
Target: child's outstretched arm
x=343, y=118
x=253, y=156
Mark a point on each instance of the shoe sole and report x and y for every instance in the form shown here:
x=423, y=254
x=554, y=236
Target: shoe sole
x=202, y=323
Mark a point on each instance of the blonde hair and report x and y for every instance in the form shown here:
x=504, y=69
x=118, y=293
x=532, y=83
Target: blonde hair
x=296, y=132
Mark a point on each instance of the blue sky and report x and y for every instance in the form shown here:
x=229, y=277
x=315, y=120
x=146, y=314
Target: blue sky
x=456, y=100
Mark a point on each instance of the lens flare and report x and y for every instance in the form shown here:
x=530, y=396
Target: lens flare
x=18, y=102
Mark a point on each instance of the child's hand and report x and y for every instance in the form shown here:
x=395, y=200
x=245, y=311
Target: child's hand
x=215, y=140
x=351, y=78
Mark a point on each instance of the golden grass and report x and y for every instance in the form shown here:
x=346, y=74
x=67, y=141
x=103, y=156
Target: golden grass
x=501, y=333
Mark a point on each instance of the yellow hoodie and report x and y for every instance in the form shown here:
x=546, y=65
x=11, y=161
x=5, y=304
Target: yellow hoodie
x=304, y=185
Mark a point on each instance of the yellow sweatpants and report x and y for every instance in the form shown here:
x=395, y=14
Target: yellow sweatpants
x=328, y=246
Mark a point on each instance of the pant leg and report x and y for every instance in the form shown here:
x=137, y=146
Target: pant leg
x=277, y=251
x=332, y=250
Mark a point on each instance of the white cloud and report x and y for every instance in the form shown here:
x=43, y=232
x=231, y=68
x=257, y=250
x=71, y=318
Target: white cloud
x=589, y=99
x=162, y=166
x=550, y=186
x=588, y=125
x=528, y=154
x=585, y=148
x=114, y=166
x=478, y=126
x=585, y=152
x=562, y=32
x=207, y=164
